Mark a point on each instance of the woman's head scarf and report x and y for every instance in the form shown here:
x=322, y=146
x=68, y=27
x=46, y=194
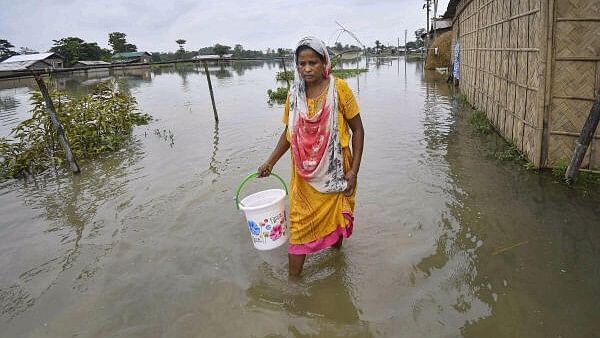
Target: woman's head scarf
x=315, y=140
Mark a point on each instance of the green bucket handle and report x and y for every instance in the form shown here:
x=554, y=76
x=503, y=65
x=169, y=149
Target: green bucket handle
x=246, y=179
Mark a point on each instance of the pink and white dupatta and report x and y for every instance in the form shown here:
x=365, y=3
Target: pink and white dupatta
x=315, y=141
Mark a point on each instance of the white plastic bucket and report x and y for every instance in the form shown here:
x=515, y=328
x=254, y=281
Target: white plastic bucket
x=265, y=215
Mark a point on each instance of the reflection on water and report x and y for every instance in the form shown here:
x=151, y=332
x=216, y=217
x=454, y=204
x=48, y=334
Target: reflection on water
x=215, y=164
x=324, y=295
x=147, y=242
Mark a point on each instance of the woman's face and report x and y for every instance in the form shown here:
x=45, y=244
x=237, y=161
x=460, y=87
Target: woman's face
x=310, y=66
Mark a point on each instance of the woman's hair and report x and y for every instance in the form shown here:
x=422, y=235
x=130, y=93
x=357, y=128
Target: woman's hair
x=304, y=47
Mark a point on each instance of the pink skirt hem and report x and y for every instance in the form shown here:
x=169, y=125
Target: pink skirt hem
x=325, y=241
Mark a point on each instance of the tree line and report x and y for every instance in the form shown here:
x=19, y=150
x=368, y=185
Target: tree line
x=75, y=49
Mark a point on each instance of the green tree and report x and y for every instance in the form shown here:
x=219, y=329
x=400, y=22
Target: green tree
x=6, y=50
x=377, y=46
x=221, y=50
x=238, y=50
x=74, y=49
x=181, y=42
x=118, y=42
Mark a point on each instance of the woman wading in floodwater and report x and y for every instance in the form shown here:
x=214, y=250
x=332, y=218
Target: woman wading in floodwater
x=318, y=114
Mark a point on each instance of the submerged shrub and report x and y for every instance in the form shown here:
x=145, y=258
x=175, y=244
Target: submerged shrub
x=287, y=75
x=279, y=95
x=94, y=124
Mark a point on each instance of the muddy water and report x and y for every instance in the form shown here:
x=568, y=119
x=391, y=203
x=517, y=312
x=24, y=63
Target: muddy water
x=448, y=241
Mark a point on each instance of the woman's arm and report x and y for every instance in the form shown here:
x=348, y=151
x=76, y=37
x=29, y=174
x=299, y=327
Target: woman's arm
x=358, y=138
x=282, y=146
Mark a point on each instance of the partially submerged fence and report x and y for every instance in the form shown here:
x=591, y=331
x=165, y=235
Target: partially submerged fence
x=534, y=67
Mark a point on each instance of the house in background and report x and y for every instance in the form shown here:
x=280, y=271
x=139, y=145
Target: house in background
x=84, y=64
x=54, y=60
x=212, y=56
x=22, y=67
x=132, y=57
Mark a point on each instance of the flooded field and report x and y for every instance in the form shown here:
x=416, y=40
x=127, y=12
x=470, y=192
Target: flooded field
x=147, y=242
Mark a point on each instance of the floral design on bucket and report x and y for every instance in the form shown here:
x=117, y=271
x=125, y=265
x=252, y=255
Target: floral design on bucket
x=254, y=229
x=276, y=232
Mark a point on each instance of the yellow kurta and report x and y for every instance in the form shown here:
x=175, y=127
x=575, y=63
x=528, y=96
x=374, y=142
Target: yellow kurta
x=314, y=214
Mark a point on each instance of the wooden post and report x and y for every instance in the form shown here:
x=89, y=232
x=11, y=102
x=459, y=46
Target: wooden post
x=584, y=140
x=212, y=96
x=285, y=73
x=60, y=131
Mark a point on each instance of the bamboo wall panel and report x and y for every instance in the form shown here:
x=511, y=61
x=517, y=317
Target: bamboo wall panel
x=506, y=72
x=499, y=66
x=578, y=8
x=574, y=80
x=577, y=39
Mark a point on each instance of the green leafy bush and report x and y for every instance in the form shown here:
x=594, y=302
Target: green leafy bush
x=279, y=95
x=94, y=124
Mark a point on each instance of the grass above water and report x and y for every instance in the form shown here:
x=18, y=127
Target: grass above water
x=510, y=153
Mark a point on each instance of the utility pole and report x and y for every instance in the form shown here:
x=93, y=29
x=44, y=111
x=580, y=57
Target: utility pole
x=427, y=6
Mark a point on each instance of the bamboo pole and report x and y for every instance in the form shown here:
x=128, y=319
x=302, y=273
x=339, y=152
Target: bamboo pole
x=210, y=89
x=584, y=140
x=550, y=63
x=60, y=131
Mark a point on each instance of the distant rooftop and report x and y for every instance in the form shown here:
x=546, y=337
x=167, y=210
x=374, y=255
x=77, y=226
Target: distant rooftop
x=31, y=57
x=17, y=65
x=127, y=55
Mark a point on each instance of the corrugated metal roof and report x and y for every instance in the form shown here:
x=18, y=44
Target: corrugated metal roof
x=126, y=55
x=94, y=63
x=15, y=66
x=30, y=57
x=441, y=24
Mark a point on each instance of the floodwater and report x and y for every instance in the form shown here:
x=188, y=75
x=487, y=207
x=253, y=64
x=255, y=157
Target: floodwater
x=146, y=242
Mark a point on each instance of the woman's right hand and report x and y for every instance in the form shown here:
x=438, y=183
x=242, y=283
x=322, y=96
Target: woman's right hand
x=265, y=170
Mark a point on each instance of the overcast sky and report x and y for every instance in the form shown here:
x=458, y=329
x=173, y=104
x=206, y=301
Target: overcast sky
x=154, y=25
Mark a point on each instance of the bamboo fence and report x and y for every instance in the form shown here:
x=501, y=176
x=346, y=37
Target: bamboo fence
x=534, y=67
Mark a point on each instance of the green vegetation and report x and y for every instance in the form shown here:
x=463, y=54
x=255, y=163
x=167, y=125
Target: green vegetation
x=530, y=166
x=509, y=153
x=118, y=43
x=74, y=49
x=6, y=50
x=221, y=50
x=95, y=124
x=181, y=43
x=279, y=95
x=481, y=123
x=462, y=99
x=584, y=179
x=346, y=73
x=282, y=76
x=178, y=65
x=560, y=169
